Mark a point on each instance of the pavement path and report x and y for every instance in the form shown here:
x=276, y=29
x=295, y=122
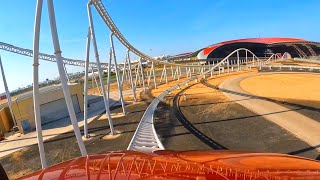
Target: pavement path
x=18, y=141
x=288, y=118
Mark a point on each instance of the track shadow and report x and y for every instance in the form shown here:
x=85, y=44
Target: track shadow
x=188, y=125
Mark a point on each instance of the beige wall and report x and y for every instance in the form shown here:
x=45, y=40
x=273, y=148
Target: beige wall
x=23, y=108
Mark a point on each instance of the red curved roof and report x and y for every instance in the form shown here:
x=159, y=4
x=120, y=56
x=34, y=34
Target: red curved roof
x=272, y=40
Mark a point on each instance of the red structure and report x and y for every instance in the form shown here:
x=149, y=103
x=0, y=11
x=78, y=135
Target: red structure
x=263, y=47
x=183, y=165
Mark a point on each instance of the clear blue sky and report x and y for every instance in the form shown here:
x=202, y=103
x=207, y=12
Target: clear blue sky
x=165, y=26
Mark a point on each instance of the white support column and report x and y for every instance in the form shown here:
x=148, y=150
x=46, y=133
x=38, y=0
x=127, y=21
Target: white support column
x=144, y=86
x=109, y=74
x=137, y=74
x=92, y=80
x=130, y=76
x=165, y=73
x=63, y=78
x=171, y=72
x=148, y=77
x=187, y=75
x=95, y=47
x=162, y=74
x=202, y=71
x=124, y=72
x=117, y=74
x=238, y=60
x=228, y=62
x=65, y=70
x=246, y=57
x=154, y=76
x=85, y=98
x=95, y=80
x=178, y=73
x=7, y=92
x=36, y=101
x=252, y=59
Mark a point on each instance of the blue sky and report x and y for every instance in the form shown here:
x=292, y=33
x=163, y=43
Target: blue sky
x=155, y=27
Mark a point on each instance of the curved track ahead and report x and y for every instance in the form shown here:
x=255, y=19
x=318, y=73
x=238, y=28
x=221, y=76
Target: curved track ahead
x=188, y=125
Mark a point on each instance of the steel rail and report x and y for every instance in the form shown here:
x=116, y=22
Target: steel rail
x=145, y=137
x=291, y=67
x=114, y=30
x=47, y=57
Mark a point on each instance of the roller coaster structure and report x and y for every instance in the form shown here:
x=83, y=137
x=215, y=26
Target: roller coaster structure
x=145, y=138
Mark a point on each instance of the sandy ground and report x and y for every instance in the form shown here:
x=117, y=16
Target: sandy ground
x=295, y=88
x=61, y=147
x=60, y=143
x=64, y=146
x=224, y=121
x=284, y=114
x=209, y=110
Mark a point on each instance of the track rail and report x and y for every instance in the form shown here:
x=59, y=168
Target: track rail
x=47, y=57
x=145, y=137
x=114, y=30
x=290, y=67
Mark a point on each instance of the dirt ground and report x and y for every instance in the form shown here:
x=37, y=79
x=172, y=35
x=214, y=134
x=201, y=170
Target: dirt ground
x=225, y=122
x=207, y=109
x=284, y=87
x=64, y=146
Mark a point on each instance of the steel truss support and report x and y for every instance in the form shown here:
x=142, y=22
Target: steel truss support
x=228, y=64
x=36, y=101
x=65, y=70
x=109, y=74
x=148, y=77
x=85, y=99
x=165, y=73
x=154, y=75
x=246, y=58
x=117, y=74
x=124, y=76
x=238, y=60
x=130, y=76
x=7, y=92
x=95, y=47
x=162, y=75
x=63, y=78
x=142, y=75
x=94, y=79
x=171, y=72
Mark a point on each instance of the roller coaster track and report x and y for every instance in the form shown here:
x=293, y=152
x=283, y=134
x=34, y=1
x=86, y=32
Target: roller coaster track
x=145, y=137
x=115, y=31
x=47, y=57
